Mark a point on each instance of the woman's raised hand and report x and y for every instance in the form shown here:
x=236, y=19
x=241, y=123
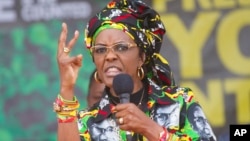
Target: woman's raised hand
x=68, y=66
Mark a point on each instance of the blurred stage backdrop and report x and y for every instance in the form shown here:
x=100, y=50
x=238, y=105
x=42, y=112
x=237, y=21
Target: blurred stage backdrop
x=207, y=45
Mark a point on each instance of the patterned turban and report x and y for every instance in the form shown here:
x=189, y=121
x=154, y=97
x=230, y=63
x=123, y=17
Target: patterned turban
x=143, y=25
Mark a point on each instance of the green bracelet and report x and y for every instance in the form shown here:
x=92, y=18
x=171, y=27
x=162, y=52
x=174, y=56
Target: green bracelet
x=68, y=101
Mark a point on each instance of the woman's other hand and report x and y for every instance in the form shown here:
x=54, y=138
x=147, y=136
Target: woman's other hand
x=68, y=66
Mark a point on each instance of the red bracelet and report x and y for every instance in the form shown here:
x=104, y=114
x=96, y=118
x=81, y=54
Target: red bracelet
x=67, y=120
x=163, y=135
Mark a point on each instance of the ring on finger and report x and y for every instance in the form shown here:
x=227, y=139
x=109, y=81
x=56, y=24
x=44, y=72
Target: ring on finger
x=66, y=50
x=121, y=120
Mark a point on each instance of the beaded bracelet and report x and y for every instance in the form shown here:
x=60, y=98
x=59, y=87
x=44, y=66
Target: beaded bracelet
x=66, y=110
x=62, y=105
x=66, y=119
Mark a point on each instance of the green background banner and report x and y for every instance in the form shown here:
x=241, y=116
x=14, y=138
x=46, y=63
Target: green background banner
x=207, y=46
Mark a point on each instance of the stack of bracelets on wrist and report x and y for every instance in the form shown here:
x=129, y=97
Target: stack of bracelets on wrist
x=66, y=109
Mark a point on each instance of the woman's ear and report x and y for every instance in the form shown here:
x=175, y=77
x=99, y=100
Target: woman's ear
x=143, y=58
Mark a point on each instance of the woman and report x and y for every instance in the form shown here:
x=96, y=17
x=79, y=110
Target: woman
x=125, y=37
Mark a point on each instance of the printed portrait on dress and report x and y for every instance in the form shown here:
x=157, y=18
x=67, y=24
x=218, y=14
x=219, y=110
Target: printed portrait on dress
x=106, y=130
x=199, y=123
x=167, y=115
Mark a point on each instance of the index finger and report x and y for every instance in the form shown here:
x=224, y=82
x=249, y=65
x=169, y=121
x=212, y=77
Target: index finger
x=73, y=40
x=122, y=106
x=62, y=39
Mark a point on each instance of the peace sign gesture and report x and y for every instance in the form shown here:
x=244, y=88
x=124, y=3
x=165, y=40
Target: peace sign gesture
x=68, y=65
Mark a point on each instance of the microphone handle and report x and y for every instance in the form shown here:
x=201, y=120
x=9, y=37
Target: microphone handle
x=125, y=98
x=128, y=136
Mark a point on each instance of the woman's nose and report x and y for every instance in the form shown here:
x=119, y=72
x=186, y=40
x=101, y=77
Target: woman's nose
x=111, y=55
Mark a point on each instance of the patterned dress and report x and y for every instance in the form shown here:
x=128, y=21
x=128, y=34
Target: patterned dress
x=171, y=107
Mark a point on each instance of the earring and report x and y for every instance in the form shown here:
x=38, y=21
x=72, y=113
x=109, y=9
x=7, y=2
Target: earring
x=96, y=78
x=140, y=73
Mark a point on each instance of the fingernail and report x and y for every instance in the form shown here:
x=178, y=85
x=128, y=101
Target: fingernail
x=76, y=32
x=63, y=24
x=113, y=110
x=79, y=56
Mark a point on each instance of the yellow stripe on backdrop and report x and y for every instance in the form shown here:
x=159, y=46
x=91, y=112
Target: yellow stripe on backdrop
x=208, y=49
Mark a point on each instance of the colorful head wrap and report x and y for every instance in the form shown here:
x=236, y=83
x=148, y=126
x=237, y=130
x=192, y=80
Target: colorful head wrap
x=143, y=25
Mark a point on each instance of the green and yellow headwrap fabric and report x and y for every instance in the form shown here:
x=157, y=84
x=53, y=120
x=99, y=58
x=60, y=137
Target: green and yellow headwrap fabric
x=143, y=25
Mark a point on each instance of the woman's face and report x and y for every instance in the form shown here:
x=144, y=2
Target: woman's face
x=117, y=59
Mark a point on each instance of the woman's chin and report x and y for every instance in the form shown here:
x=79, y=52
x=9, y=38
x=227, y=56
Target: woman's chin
x=108, y=81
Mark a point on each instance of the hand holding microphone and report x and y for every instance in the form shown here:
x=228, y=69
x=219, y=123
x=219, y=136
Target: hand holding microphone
x=123, y=86
x=129, y=116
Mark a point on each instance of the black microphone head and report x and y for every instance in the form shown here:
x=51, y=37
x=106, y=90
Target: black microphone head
x=123, y=83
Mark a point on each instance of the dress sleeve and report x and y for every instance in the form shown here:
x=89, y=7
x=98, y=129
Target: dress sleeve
x=193, y=122
x=84, y=116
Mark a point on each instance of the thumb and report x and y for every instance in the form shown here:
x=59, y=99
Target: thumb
x=78, y=60
x=79, y=57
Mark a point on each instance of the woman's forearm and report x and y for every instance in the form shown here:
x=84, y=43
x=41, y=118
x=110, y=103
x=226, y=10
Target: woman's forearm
x=68, y=132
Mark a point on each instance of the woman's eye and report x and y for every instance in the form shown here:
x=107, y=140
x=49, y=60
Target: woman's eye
x=121, y=47
x=100, y=50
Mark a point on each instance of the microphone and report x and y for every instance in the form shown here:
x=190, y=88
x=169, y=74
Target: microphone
x=123, y=86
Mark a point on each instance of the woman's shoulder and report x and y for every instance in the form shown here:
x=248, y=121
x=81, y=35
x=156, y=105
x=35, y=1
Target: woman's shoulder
x=178, y=93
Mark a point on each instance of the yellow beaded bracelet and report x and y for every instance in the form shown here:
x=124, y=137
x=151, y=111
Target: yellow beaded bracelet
x=67, y=101
x=62, y=105
x=66, y=110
